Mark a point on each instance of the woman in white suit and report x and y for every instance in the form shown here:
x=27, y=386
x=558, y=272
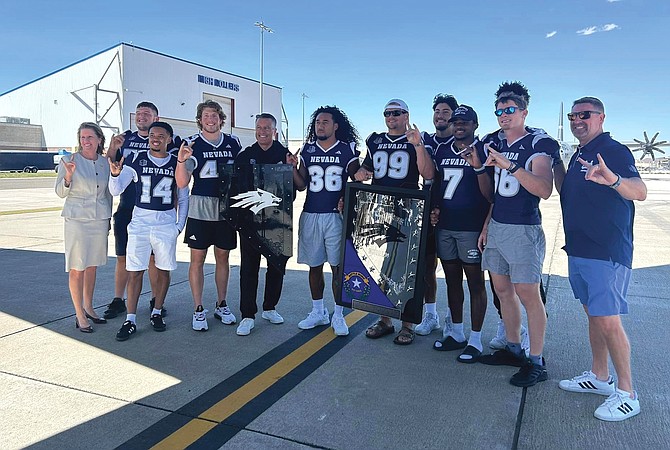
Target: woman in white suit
x=82, y=180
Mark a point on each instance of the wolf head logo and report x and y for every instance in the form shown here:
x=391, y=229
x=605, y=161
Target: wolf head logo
x=255, y=200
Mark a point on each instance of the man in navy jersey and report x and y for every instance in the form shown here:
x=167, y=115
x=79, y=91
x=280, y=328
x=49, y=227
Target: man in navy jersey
x=121, y=146
x=266, y=150
x=396, y=159
x=443, y=106
x=327, y=160
x=466, y=192
x=200, y=158
x=512, y=239
x=598, y=212
x=154, y=226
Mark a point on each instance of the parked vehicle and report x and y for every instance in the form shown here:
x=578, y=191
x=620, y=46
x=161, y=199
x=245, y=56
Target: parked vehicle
x=27, y=161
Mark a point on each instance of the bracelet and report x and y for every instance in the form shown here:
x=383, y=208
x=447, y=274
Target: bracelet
x=617, y=183
x=513, y=167
x=181, y=162
x=481, y=170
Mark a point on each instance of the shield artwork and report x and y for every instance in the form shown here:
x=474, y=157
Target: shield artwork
x=258, y=201
x=383, y=250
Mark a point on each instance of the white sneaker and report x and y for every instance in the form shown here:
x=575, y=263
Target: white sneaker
x=245, y=327
x=314, y=319
x=618, y=406
x=499, y=342
x=430, y=323
x=273, y=316
x=224, y=314
x=200, y=320
x=448, y=327
x=587, y=382
x=525, y=341
x=339, y=326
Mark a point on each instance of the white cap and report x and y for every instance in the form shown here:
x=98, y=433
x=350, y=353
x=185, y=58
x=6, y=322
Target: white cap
x=396, y=103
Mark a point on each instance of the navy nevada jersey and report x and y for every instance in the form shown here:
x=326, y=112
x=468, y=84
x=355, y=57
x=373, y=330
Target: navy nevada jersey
x=513, y=204
x=327, y=172
x=207, y=157
x=133, y=143
x=462, y=205
x=156, y=188
x=393, y=161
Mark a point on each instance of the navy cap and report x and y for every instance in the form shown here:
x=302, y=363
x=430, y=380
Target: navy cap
x=465, y=113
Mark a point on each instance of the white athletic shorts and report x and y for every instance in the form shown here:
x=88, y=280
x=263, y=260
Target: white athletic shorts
x=319, y=238
x=143, y=239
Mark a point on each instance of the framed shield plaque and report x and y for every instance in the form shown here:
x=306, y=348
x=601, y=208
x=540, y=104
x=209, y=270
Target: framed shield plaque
x=257, y=199
x=383, y=250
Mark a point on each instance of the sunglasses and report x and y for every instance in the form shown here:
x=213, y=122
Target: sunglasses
x=582, y=115
x=394, y=112
x=508, y=110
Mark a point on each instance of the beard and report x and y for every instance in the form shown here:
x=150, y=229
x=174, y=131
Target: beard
x=322, y=137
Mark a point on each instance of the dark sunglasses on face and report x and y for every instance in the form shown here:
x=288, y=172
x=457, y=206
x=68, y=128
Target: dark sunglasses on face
x=394, y=112
x=508, y=110
x=582, y=115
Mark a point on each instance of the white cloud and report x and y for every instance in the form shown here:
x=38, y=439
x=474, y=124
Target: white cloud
x=596, y=29
x=552, y=34
x=613, y=1
x=587, y=31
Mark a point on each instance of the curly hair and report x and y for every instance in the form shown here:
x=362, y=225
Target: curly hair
x=346, y=131
x=515, y=91
x=209, y=104
x=445, y=98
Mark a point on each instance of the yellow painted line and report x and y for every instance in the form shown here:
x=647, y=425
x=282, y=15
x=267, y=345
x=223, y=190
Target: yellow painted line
x=27, y=211
x=226, y=407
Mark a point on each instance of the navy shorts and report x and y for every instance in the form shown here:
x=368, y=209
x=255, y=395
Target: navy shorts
x=201, y=234
x=121, y=220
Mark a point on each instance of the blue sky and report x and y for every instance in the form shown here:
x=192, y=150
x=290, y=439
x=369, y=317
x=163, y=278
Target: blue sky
x=358, y=54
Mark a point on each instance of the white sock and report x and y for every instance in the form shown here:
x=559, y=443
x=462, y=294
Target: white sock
x=457, y=332
x=131, y=317
x=476, y=340
x=447, y=318
x=431, y=308
x=156, y=311
x=317, y=305
x=339, y=311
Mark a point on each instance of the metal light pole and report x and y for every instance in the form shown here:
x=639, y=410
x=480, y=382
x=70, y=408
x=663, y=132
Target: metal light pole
x=304, y=96
x=263, y=28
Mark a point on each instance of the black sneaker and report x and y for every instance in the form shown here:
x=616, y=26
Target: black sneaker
x=157, y=322
x=127, y=329
x=530, y=374
x=152, y=303
x=118, y=306
x=503, y=358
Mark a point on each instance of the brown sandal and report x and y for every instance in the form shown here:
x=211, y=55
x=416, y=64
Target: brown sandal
x=379, y=329
x=404, y=337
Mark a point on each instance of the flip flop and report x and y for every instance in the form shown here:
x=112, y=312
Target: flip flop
x=379, y=329
x=469, y=355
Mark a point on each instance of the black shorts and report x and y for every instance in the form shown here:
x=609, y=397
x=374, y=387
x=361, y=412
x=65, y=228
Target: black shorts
x=121, y=220
x=201, y=234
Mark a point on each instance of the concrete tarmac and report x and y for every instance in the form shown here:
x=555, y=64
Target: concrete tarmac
x=284, y=388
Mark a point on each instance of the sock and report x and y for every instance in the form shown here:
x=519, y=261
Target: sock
x=457, y=332
x=339, y=311
x=536, y=359
x=431, y=308
x=222, y=303
x=515, y=347
x=131, y=317
x=199, y=309
x=156, y=311
x=475, y=340
x=317, y=305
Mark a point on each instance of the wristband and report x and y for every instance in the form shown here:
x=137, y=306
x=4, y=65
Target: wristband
x=481, y=170
x=513, y=167
x=617, y=183
x=181, y=162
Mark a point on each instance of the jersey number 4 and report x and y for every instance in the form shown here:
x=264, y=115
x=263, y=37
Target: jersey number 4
x=162, y=190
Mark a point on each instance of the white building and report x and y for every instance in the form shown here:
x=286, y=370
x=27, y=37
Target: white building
x=106, y=87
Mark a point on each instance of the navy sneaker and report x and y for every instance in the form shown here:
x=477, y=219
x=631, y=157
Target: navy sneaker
x=503, y=357
x=118, y=306
x=157, y=322
x=127, y=329
x=530, y=374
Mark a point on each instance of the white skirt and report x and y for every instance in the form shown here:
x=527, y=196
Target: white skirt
x=85, y=243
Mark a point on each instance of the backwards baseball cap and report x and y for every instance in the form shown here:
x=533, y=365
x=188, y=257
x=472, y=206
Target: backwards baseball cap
x=164, y=125
x=465, y=113
x=396, y=103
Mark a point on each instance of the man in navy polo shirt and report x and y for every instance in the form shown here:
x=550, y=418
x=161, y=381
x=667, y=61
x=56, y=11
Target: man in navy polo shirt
x=598, y=211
